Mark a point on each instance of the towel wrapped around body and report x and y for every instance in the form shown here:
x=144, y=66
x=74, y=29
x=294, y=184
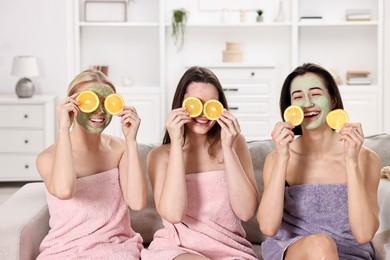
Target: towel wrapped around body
x=94, y=224
x=316, y=209
x=209, y=228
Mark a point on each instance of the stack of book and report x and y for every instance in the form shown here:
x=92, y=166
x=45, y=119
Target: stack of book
x=357, y=15
x=361, y=77
x=310, y=18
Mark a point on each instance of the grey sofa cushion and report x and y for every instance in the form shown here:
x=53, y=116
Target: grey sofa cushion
x=148, y=221
x=24, y=217
x=380, y=144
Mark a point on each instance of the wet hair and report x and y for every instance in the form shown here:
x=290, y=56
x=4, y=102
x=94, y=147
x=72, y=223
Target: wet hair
x=327, y=80
x=199, y=75
x=89, y=75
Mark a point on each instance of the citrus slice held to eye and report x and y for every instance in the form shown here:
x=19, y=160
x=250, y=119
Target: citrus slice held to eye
x=114, y=104
x=294, y=115
x=337, y=118
x=193, y=106
x=212, y=109
x=88, y=100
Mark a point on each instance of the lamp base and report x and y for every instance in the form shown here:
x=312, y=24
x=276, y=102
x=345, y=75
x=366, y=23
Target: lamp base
x=24, y=88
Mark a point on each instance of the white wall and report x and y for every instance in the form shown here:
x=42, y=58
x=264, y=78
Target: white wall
x=41, y=28
x=38, y=28
x=386, y=69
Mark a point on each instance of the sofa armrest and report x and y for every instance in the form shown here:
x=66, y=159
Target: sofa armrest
x=381, y=240
x=24, y=222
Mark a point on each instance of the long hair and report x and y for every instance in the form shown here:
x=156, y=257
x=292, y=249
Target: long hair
x=328, y=81
x=199, y=75
x=89, y=75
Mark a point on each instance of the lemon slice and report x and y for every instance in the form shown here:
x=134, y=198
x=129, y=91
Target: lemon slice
x=212, y=109
x=294, y=115
x=88, y=100
x=337, y=118
x=114, y=104
x=193, y=106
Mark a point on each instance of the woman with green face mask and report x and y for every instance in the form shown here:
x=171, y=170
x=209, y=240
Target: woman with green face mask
x=91, y=179
x=320, y=187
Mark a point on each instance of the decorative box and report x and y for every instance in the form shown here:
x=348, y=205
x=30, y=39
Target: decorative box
x=105, y=10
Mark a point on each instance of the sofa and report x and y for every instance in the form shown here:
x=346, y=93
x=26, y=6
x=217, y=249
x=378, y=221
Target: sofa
x=24, y=217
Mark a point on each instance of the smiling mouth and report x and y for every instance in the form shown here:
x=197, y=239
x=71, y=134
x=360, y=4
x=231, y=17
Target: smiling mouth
x=97, y=120
x=201, y=120
x=311, y=114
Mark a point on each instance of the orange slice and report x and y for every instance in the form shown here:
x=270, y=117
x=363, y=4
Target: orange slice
x=337, y=118
x=212, y=109
x=88, y=100
x=193, y=106
x=114, y=104
x=294, y=115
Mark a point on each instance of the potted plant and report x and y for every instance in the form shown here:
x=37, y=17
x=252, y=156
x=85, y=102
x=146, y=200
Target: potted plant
x=179, y=20
x=259, y=17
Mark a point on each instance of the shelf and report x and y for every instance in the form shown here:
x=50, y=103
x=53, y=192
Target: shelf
x=245, y=64
x=117, y=24
x=240, y=25
x=345, y=23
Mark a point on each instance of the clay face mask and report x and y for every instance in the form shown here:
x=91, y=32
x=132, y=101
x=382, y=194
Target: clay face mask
x=99, y=119
x=311, y=95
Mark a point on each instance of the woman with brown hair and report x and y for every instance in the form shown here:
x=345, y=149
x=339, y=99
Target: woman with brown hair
x=202, y=178
x=320, y=188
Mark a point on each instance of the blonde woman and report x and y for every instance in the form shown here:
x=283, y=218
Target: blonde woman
x=91, y=179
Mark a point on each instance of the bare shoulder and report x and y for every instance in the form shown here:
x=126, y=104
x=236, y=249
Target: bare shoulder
x=157, y=161
x=370, y=163
x=369, y=156
x=45, y=159
x=46, y=154
x=240, y=142
x=159, y=153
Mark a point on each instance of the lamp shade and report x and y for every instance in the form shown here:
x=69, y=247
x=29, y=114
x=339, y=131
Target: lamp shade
x=25, y=66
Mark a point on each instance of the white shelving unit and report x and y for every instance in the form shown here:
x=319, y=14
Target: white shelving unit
x=132, y=49
x=142, y=47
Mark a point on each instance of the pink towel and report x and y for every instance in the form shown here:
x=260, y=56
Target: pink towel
x=94, y=224
x=210, y=228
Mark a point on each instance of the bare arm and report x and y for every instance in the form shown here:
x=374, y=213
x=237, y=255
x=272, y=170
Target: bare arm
x=167, y=170
x=132, y=173
x=56, y=164
x=363, y=175
x=270, y=211
x=241, y=180
x=239, y=168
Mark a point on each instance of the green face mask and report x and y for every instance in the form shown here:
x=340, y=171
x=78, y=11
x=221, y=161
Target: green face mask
x=311, y=95
x=99, y=119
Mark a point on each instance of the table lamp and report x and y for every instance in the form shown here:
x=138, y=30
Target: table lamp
x=25, y=67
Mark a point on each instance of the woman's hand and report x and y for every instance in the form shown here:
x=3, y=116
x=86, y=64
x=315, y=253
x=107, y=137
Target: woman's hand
x=67, y=110
x=175, y=124
x=230, y=128
x=282, y=136
x=352, y=134
x=130, y=122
